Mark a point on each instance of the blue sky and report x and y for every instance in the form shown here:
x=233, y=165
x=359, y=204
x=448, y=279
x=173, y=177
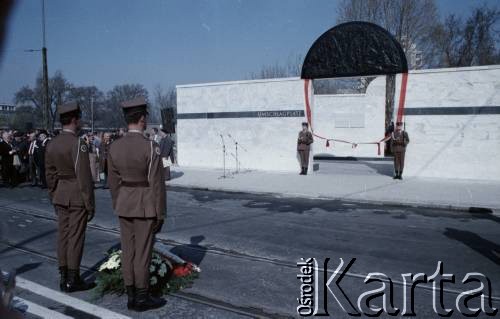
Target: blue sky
x=164, y=42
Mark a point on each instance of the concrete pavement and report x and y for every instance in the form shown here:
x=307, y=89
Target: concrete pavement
x=349, y=185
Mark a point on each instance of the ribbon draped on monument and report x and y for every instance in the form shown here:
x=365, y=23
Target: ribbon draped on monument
x=400, y=114
x=354, y=49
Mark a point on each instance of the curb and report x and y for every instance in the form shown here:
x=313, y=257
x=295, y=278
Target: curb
x=436, y=206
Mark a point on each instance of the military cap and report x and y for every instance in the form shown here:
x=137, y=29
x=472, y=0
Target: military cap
x=137, y=105
x=399, y=123
x=305, y=123
x=67, y=108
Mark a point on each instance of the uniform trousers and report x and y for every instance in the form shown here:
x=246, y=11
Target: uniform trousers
x=304, y=158
x=72, y=223
x=399, y=160
x=137, y=246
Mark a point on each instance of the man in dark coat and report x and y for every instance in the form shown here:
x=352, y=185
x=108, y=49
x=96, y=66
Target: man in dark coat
x=21, y=145
x=7, y=152
x=43, y=139
x=167, y=152
x=34, y=168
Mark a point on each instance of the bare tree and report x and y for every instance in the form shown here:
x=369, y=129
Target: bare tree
x=107, y=110
x=470, y=42
x=86, y=96
x=165, y=98
x=59, y=92
x=410, y=21
x=111, y=113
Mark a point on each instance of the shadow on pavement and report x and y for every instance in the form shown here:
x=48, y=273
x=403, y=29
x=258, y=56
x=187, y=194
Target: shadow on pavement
x=174, y=174
x=27, y=267
x=192, y=252
x=485, y=247
x=29, y=240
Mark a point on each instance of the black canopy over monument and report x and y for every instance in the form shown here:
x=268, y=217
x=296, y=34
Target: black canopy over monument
x=354, y=49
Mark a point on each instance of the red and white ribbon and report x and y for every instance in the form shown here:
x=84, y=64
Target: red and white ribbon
x=399, y=118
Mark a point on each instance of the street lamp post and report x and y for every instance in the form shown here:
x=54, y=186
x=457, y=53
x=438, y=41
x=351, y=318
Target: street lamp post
x=92, y=113
x=46, y=101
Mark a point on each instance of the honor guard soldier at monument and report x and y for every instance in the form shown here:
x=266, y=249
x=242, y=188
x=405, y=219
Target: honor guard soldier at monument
x=303, y=147
x=71, y=191
x=399, y=141
x=137, y=185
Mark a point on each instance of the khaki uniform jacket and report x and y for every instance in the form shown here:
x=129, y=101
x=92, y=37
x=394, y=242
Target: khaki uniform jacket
x=133, y=159
x=305, y=139
x=67, y=169
x=399, y=141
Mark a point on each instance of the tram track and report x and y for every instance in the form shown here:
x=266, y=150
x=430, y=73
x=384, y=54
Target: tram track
x=225, y=252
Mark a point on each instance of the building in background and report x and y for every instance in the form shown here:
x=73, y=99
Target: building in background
x=7, y=112
x=413, y=54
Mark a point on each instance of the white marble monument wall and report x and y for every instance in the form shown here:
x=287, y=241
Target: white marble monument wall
x=263, y=116
x=453, y=119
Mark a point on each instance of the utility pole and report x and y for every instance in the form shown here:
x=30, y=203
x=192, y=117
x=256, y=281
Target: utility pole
x=46, y=101
x=92, y=113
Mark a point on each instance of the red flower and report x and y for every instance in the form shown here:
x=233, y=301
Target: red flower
x=183, y=270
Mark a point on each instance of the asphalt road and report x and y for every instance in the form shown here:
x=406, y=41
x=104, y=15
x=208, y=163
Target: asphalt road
x=248, y=247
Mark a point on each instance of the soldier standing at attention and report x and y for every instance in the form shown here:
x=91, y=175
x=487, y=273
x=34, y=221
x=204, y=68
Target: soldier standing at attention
x=137, y=188
x=71, y=191
x=303, y=147
x=399, y=141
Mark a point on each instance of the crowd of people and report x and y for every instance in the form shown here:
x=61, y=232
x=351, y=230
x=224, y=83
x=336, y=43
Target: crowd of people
x=22, y=154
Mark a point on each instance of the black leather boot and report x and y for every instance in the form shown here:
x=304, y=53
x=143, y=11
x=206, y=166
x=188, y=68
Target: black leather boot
x=63, y=272
x=75, y=283
x=305, y=170
x=144, y=302
x=130, y=297
x=401, y=175
x=301, y=171
x=396, y=175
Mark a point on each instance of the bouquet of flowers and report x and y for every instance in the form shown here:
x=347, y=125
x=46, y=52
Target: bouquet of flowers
x=168, y=273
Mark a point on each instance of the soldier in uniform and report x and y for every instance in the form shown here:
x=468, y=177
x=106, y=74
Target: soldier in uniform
x=137, y=188
x=399, y=141
x=71, y=191
x=303, y=147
